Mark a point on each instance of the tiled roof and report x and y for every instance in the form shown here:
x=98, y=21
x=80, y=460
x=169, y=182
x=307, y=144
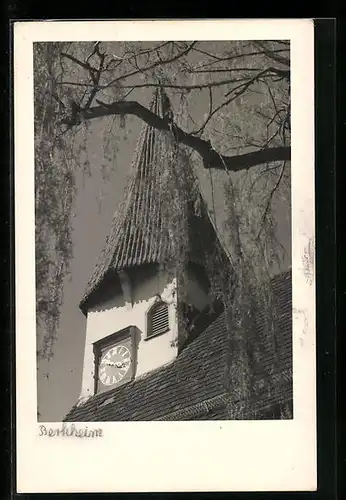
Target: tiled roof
x=138, y=231
x=192, y=387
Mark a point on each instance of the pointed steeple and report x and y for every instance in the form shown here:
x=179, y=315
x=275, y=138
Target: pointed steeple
x=138, y=231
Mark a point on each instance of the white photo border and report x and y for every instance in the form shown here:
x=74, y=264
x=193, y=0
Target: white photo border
x=170, y=456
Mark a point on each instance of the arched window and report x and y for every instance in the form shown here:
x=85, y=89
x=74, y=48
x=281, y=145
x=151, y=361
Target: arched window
x=157, y=319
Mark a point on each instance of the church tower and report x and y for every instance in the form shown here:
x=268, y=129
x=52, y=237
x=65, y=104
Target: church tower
x=137, y=310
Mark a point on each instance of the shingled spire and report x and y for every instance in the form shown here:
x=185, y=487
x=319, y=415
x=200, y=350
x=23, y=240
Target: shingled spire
x=138, y=230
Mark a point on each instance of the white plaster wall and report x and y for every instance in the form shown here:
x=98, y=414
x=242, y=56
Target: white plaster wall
x=115, y=315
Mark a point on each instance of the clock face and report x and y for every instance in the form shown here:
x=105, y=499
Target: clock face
x=114, y=365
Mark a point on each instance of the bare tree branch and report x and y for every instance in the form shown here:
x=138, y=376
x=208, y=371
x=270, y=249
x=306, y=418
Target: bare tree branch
x=165, y=85
x=140, y=52
x=239, y=90
x=236, y=56
x=80, y=63
x=273, y=54
x=224, y=70
x=211, y=158
x=152, y=66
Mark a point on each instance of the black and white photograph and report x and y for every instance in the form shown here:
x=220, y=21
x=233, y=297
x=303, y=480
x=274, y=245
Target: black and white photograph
x=187, y=312
x=163, y=242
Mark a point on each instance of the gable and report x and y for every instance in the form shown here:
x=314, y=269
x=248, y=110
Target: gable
x=193, y=385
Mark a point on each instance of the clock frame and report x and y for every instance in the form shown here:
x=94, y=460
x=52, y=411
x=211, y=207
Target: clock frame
x=115, y=360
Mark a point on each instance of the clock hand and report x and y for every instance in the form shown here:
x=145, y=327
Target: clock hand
x=117, y=364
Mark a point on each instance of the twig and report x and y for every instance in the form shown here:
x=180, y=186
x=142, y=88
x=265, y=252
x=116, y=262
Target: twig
x=165, y=85
x=236, y=56
x=272, y=55
x=152, y=66
x=270, y=199
x=242, y=88
x=223, y=70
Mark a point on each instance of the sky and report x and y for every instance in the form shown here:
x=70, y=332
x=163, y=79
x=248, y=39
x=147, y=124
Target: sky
x=59, y=380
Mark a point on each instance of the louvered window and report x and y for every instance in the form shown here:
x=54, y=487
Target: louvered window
x=158, y=321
